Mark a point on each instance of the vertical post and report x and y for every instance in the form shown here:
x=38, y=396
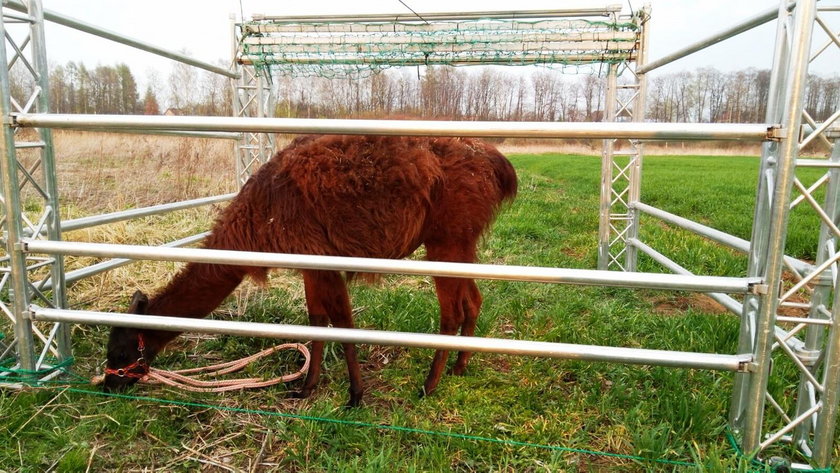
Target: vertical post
x=781, y=172
x=51, y=201
x=621, y=182
x=826, y=421
x=266, y=101
x=604, y=223
x=13, y=225
x=760, y=230
x=820, y=299
x=252, y=97
x=40, y=177
x=634, y=195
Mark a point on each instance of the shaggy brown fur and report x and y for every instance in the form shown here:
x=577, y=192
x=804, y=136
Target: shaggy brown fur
x=364, y=196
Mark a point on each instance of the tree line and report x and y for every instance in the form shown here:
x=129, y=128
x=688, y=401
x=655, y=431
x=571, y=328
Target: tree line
x=483, y=93
x=705, y=95
x=76, y=88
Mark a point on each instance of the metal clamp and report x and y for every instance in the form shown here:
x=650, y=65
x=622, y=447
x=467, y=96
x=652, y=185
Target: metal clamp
x=758, y=289
x=775, y=133
x=808, y=357
x=11, y=120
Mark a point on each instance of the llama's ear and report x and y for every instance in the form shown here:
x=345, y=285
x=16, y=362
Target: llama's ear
x=139, y=302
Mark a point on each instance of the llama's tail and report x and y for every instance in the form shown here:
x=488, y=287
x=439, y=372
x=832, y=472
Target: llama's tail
x=505, y=176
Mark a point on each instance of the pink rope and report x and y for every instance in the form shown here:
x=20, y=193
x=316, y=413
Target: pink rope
x=180, y=379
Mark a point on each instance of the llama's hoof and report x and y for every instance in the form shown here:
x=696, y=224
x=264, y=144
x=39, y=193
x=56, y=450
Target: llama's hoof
x=303, y=394
x=425, y=392
x=354, y=401
x=458, y=370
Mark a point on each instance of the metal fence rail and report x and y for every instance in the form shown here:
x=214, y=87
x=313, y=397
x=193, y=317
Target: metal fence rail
x=713, y=234
x=104, y=219
x=422, y=268
x=569, y=130
x=418, y=340
x=80, y=25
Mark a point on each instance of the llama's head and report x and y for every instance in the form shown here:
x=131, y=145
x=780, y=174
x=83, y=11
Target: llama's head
x=129, y=354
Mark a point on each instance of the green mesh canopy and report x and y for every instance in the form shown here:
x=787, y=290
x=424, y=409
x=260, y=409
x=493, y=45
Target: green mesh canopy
x=349, y=49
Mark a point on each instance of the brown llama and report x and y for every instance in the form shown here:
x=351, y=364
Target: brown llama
x=362, y=196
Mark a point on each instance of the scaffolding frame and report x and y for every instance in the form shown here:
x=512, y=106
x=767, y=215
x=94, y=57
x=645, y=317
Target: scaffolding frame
x=39, y=331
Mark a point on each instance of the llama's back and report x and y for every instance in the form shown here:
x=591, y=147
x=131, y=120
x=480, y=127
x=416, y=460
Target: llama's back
x=367, y=196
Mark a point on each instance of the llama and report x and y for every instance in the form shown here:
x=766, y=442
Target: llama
x=362, y=196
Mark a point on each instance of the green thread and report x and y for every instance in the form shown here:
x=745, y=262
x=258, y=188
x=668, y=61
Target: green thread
x=28, y=377
x=396, y=428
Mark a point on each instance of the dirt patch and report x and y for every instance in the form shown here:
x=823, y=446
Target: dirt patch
x=380, y=356
x=803, y=296
x=680, y=303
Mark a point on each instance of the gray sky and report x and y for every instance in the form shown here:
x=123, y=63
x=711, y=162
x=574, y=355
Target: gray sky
x=202, y=27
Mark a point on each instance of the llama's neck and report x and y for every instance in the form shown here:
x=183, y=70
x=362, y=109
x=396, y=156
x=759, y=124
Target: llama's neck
x=196, y=290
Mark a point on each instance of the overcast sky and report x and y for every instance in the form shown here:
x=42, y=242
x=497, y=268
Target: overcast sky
x=202, y=27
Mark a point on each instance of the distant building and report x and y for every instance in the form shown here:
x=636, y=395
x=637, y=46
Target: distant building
x=170, y=112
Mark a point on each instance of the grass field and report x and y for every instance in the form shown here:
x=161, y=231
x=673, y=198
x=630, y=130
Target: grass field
x=507, y=414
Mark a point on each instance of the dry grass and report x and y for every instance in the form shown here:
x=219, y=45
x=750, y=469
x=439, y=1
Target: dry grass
x=109, y=171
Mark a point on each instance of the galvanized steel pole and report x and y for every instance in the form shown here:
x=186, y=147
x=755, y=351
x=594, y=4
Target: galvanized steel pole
x=804, y=15
x=635, y=184
x=713, y=234
x=577, y=130
x=827, y=419
x=13, y=226
x=51, y=212
x=605, y=10
x=605, y=212
x=391, y=266
x=747, y=25
x=80, y=25
x=760, y=231
x=406, y=339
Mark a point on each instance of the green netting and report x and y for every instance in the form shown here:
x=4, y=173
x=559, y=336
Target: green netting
x=771, y=466
x=353, y=49
x=10, y=372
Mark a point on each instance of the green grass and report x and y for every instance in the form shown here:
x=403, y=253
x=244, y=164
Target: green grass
x=652, y=412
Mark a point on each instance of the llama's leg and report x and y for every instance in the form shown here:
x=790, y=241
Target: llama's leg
x=472, y=305
x=318, y=316
x=449, y=293
x=327, y=297
x=459, y=301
